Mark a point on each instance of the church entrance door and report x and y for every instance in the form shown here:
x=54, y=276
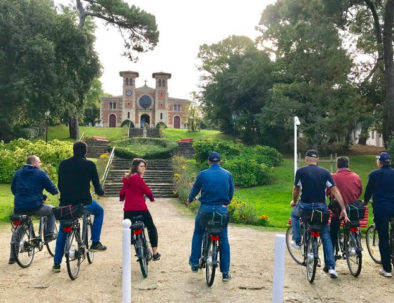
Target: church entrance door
x=112, y=120
x=177, y=122
x=145, y=119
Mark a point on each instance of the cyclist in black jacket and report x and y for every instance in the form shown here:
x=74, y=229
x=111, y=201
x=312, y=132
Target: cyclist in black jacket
x=74, y=179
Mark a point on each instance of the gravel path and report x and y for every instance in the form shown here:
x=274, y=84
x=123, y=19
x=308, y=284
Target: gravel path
x=170, y=279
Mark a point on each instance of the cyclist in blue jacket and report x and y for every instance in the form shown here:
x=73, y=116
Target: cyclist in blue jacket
x=217, y=188
x=27, y=186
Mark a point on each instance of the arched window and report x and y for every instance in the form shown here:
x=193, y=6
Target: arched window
x=127, y=81
x=159, y=82
x=131, y=81
x=114, y=105
x=128, y=115
x=164, y=83
x=174, y=107
x=110, y=105
x=161, y=116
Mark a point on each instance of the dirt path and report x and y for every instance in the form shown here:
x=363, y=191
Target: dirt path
x=170, y=279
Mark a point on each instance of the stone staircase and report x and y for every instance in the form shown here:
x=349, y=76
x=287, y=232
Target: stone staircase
x=96, y=148
x=185, y=149
x=158, y=177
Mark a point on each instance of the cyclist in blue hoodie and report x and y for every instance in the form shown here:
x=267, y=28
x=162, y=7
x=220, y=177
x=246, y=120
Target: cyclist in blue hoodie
x=27, y=186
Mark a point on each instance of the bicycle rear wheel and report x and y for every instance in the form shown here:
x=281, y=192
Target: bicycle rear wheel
x=88, y=242
x=22, y=246
x=297, y=255
x=311, y=260
x=139, y=247
x=353, y=254
x=73, y=255
x=211, y=262
x=51, y=244
x=372, y=240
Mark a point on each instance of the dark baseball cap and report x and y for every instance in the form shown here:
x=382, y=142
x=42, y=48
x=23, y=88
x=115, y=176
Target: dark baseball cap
x=384, y=157
x=214, y=157
x=312, y=153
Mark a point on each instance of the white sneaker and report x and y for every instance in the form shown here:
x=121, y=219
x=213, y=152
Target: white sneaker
x=333, y=274
x=295, y=245
x=384, y=273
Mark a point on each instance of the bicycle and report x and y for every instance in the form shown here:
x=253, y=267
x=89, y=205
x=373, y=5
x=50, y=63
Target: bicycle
x=77, y=244
x=372, y=240
x=138, y=238
x=349, y=243
x=213, y=224
x=25, y=241
x=308, y=256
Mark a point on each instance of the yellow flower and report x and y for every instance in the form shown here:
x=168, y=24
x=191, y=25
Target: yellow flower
x=103, y=156
x=176, y=175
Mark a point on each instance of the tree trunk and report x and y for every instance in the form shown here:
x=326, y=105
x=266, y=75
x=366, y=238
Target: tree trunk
x=74, y=127
x=388, y=119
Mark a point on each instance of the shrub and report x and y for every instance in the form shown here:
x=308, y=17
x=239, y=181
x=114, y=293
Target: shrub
x=183, y=177
x=147, y=148
x=241, y=212
x=128, y=123
x=161, y=124
x=247, y=172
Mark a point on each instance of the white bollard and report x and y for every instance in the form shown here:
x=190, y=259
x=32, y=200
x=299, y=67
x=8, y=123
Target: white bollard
x=126, y=262
x=279, y=269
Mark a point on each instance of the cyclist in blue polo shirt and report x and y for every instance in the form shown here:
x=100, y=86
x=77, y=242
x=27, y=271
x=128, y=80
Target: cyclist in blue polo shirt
x=217, y=188
x=313, y=180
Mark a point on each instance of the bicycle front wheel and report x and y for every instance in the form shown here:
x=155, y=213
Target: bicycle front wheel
x=22, y=246
x=73, y=256
x=211, y=262
x=372, y=240
x=296, y=254
x=353, y=254
x=51, y=243
x=88, y=242
x=311, y=259
x=139, y=247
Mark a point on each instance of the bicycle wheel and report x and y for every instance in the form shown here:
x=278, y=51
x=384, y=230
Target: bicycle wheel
x=353, y=254
x=296, y=254
x=372, y=240
x=51, y=243
x=212, y=262
x=73, y=255
x=88, y=242
x=311, y=260
x=22, y=246
x=139, y=247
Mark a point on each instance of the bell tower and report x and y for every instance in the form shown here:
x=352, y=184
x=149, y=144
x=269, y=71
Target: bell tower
x=161, y=114
x=128, y=97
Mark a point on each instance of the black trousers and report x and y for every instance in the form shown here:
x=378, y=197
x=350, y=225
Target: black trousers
x=148, y=221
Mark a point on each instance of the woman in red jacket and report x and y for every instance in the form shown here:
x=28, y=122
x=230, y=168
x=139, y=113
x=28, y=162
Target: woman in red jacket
x=133, y=190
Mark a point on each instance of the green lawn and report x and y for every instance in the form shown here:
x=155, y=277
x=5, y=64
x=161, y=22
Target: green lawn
x=61, y=132
x=176, y=134
x=273, y=200
x=6, y=202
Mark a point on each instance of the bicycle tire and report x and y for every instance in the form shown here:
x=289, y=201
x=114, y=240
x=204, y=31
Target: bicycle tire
x=353, y=254
x=372, y=240
x=22, y=246
x=139, y=247
x=73, y=255
x=50, y=245
x=211, y=262
x=88, y=242
x=311, y=260
x=297, y=255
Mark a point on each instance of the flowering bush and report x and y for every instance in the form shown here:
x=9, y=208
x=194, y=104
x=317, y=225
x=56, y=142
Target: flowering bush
x=183, y=178
x=241, y=212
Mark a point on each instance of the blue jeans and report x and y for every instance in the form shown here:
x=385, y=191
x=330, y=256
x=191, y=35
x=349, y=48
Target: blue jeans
x=95, y=209
x=328, y=250
x=198, y=235
x=382, y=213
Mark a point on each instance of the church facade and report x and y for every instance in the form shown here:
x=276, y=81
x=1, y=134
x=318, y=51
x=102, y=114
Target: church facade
x=144, y=106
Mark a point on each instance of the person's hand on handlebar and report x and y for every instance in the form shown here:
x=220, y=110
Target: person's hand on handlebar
x=343, y=215
x=292, y=203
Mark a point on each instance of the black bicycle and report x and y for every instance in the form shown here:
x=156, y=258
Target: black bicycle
x=25, y=241
x=349, y=243
x=372, y=240
x=213, y=224
x=311, y=223
x=78, y=243
x=138, y=238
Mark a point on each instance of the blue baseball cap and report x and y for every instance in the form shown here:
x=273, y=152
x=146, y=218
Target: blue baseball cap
x=214, y=157
x=384, y=157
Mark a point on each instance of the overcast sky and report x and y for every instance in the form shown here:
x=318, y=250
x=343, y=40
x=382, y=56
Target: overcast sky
x=183, y=25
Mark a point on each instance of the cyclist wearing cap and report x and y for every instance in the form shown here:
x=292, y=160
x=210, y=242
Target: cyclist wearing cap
x=381, y=187
x=314, y=180
x=217, y=188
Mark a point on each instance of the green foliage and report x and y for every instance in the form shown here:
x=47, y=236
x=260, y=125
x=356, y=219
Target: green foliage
x=246, y=213
x=147, y=148
x=128, y=123
x=184, y=176
x=161, y=124
x=13, y=156
x=248, y=172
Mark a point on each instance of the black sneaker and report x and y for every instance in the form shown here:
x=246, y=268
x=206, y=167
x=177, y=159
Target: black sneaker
x=325, y=269
x=56, y=268
x=156, y=257
x=11, y=261
x=97, y=246
x=226, y=277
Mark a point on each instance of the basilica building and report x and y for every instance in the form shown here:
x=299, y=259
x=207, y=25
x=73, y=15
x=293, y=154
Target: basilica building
x=144, y=106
